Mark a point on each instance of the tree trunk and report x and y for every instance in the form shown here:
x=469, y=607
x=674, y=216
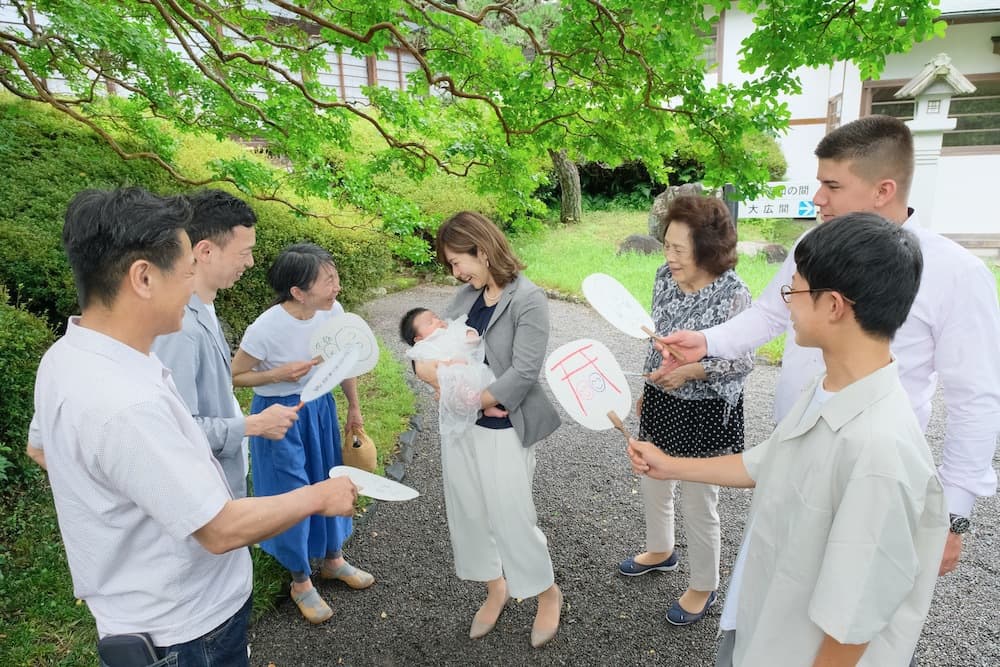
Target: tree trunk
x=570, y=201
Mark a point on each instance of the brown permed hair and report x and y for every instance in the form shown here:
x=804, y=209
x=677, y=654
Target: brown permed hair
x=878, y=147
x=468, y=232
x=712, y=230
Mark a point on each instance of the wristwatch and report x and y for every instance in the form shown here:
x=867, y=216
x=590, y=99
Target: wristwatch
x=959, y=524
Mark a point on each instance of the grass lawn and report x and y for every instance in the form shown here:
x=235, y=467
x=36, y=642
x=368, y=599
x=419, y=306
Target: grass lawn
x=41, y=623
x=561, y=257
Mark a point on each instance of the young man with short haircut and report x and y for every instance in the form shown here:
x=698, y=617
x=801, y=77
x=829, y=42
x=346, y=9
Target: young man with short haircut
x=848, y=522
x=199, y=358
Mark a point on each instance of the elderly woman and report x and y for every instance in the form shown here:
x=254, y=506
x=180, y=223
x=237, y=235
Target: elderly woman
x=488, y=471
x=274, y=359
x=697, y=410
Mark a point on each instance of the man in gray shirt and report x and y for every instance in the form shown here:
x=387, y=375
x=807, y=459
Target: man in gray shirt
x=198, y=356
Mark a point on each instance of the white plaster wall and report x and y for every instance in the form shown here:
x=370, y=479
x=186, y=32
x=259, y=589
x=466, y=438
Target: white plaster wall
x=851, y=109
x=798, y=146
x=947, y=6
x=961, y=180
x=968, y=45
x=737, y=26
x=963, y=203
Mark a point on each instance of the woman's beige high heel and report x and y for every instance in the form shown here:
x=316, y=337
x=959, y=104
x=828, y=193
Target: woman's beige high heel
x=540, y=636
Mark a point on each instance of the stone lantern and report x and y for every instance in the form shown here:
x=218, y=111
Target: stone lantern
x=932, y=89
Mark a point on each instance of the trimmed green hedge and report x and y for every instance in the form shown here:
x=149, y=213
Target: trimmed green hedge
x=50, y=158
x=363, y=260
x=47, y=159
x=25, y=338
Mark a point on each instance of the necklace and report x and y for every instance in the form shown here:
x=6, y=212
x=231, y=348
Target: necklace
x=491, y=300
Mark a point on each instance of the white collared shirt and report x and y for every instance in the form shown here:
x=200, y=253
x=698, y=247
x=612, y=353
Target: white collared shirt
x=133, y=477
x=846, y=530
x=728, y=619
x=950, y=334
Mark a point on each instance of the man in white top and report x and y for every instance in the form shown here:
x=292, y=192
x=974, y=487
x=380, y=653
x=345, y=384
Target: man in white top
x=155, y=542
x=199, y=358
x=848, y=522
x=950, y=335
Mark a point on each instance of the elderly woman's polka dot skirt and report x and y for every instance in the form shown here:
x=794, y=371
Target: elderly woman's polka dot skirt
x=694, y=429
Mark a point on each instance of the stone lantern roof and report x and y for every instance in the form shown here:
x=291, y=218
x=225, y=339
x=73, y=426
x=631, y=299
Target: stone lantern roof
x=938, y=71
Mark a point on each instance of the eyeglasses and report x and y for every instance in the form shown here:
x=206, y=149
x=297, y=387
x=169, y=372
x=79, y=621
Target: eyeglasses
x=787, y=292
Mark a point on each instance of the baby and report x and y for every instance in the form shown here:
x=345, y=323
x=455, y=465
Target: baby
x=462, y=375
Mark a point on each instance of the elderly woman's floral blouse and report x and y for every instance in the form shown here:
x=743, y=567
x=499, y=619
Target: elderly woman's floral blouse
x=674, y=309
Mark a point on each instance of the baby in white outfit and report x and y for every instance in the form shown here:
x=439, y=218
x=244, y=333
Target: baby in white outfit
x=464, y=373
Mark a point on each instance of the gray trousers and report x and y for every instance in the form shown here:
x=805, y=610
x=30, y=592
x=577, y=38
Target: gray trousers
x=701, y=522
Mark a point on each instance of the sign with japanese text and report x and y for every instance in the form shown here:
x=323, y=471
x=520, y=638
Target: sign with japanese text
x=788, y=200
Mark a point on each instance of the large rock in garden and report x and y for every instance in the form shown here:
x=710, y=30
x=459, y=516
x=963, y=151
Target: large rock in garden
x=662, y=203
x=775, y=252
x=750, y=247
x=642, y=244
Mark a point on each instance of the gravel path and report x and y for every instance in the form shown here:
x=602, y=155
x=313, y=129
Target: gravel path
x=589, y=507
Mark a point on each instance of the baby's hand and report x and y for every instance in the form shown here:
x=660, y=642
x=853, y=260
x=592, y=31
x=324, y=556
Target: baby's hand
x=494, y=411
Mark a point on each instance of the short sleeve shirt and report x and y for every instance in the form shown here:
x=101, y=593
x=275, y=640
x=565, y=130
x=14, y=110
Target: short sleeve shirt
x=133, y=477
x=847, y=529
x=277, y=338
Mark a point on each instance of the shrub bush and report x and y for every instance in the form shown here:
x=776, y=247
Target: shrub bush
x=51, y=159
x=48, y=159
x=363, y=260
x=630, y=187
x=25, y=338
x=772, y=157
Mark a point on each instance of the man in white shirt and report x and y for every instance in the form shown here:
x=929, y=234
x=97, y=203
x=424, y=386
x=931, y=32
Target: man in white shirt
x=950, y=335
x=155, y=542
x=199, y=358
x=848, y=522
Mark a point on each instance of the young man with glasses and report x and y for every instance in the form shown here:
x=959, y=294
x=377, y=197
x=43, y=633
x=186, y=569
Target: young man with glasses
x=848, y=523
x=949, y=336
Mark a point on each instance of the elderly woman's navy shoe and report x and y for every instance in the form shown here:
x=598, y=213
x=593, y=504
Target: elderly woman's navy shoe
x=630, y=568
x=677, y=616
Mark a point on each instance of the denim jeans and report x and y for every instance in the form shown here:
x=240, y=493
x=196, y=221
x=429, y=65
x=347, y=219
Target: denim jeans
x=225, y=646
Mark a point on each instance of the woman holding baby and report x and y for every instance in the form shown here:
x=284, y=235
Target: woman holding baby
x=488, y=473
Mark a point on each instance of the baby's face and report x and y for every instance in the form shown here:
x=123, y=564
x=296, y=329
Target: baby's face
x=427, y=323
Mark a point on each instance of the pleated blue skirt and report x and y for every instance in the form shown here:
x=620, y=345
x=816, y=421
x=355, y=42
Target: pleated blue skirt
x=309, y=449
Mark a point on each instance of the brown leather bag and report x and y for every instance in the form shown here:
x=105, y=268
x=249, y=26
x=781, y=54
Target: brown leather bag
x=358, y=449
